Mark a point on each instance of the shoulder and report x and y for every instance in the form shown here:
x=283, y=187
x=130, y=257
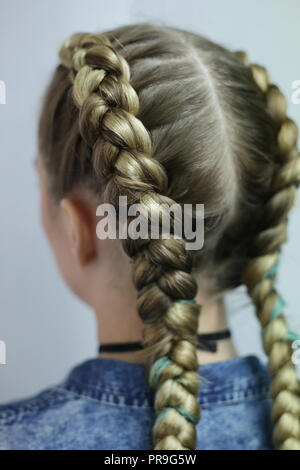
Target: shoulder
x=15, y=411
x=26, y=423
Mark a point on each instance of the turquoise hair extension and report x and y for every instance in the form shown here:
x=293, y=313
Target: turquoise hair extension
x=292, y=336
x=187, y=415
x=156, y=368
x=180, y=410
x=155, y=371
x=185, y=301
x=272, y=271
x=278, y=307
x=159, y=365
x=277, y=310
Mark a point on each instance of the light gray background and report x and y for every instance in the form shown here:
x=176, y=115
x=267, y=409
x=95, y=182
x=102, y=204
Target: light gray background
x=45, y=328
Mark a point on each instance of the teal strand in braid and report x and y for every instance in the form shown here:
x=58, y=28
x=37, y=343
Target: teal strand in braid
x=157, y=367
x=278, y=308
x=180, y=410
x=272, y=271
x=186, y=301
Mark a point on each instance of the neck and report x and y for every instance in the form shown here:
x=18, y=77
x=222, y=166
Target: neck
x=118, y=322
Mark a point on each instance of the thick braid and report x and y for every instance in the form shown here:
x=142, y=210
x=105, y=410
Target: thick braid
x=122, y=158
x=260, y=273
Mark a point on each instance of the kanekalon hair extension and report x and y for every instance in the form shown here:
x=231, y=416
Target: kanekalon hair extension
x=162, y=115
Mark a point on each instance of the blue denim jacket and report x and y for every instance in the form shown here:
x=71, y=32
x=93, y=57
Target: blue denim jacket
x=107, y=404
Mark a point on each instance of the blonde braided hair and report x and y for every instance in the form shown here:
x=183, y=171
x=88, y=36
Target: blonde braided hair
x=246, y=177
x=259, y=275
x=122, y=158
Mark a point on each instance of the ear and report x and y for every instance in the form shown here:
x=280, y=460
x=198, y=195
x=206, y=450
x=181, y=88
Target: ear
x=80, y=230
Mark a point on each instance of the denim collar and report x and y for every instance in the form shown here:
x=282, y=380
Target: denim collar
x=119, y=382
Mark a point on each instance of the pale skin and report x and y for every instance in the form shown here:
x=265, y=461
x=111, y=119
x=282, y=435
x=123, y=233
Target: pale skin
x=99, y=273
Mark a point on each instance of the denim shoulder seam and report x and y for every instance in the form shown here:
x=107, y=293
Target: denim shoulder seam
x=146, y=404
x=74, y=385
x=120, y=400
x=228, y=402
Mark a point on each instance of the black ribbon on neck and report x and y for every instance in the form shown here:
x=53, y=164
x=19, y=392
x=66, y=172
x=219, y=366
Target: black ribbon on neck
x=206, y=342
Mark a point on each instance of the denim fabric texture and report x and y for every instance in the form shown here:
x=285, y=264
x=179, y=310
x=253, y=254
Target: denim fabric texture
x=107, y=404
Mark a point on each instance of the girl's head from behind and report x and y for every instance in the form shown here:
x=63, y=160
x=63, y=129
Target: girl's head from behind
x=161, y=115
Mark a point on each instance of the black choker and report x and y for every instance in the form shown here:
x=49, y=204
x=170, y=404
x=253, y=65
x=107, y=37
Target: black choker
x=206, y=342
